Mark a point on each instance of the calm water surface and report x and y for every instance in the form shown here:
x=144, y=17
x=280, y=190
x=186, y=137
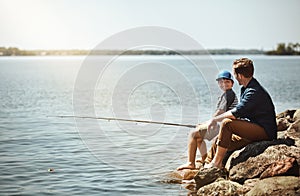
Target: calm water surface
x=110, y=157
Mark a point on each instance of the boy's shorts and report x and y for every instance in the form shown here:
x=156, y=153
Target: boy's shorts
x=209, y=135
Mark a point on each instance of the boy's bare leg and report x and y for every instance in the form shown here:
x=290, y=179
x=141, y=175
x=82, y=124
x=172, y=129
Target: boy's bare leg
x=202, y=149
x=194, y=140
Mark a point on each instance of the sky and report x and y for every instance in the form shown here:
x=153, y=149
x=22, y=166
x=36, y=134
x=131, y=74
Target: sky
x=82, y=24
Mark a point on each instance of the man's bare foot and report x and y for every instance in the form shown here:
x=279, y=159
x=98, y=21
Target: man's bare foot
x=187, y=166
x=208, y=165
x=211, y=164
x=199, y=160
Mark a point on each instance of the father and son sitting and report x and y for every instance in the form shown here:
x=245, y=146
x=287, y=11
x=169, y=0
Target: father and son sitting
x=234, y=124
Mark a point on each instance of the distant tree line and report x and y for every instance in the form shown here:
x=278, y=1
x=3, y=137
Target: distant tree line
x=286, y=49
x=282, y=49
x=13, y=51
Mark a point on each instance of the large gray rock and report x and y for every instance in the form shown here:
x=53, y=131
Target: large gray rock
x=288, y=114
x=278, y=157
x=282, y=124
x=253, y=167
x=179, y=177
x=222, y=187
x=253, y=150
x=294, y=133
x=250, y=184
x=280, y=185
x=286, y=166
x=296, y=115
x=207, y=176
x=288, y=123
x=185, y=174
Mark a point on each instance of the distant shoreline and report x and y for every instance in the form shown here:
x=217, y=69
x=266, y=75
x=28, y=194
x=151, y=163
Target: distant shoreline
x=18, y=52
x=282, y=49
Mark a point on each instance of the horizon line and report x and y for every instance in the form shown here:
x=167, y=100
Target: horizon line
x=120, y=49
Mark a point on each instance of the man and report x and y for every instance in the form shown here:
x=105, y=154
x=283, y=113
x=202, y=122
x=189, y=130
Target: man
x=226, y=101
x=253, y=119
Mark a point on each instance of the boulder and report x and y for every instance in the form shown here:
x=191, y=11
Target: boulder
x=222, y=187
x=253, y=150
x=281, y=167
x=288, y=114
x=296, y=115
x=280, y=185
x=286, y=118
x=269, y=158
x=289, y=123
x=282, y=124
x=181, y=176
x=294, y=134
x=295, y=125
x=187, y=174
x=254, y=167
x=249, y=184
x=207, y=176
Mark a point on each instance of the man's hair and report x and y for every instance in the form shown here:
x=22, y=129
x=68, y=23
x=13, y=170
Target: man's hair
x=243, y=66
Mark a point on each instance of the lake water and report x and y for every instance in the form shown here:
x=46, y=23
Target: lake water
x=91, y=157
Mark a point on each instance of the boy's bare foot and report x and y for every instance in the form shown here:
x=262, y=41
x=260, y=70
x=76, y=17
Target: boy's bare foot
x=187, y=166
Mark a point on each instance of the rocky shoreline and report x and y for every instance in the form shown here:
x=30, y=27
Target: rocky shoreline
x=260, y=168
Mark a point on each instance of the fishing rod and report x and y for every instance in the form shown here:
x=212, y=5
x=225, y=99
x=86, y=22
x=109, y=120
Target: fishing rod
x=128, y=120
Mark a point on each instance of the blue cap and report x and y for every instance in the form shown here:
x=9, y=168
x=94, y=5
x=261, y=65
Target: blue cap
x=225, y=75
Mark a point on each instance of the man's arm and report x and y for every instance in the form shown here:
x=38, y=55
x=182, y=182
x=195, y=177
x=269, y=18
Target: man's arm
x=212, y=122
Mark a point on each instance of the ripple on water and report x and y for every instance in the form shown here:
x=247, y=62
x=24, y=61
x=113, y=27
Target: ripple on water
x=31, y=143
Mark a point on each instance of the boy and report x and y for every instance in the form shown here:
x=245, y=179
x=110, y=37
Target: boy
x=226, y=101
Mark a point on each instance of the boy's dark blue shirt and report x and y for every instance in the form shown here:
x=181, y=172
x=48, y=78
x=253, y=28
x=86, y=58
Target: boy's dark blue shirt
x=256, y=105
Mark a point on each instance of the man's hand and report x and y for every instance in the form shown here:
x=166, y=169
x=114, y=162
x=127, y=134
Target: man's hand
x=213, y=122
x=211, y=125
